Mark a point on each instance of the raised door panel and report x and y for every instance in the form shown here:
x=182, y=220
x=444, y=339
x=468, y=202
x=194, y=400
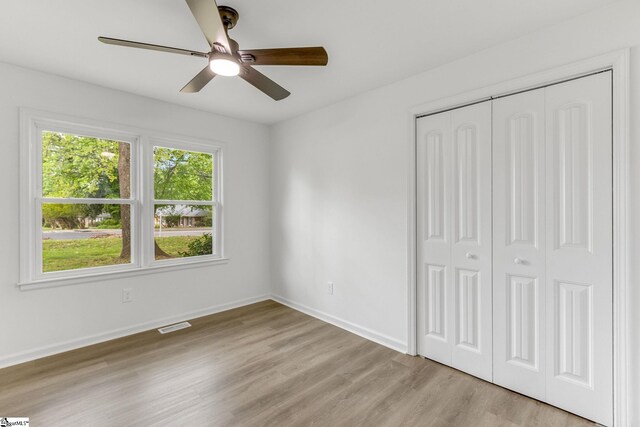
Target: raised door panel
x=579, y=247
x=435, y=293
x=435, y=169
x=471, y=245
x=522, y=172
x=523, y=322
x=468, y=309
x=574, y=323
x=519, y=243
x=435, y=302
x=574, y=170
x=466, y=181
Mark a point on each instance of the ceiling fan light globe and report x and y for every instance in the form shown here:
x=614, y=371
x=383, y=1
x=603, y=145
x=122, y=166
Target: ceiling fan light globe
x=224, y=66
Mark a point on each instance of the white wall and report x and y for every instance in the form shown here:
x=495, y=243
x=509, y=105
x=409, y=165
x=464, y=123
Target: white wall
x=47, y=320
x=339, y=179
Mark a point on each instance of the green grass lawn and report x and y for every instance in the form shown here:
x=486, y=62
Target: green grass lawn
x=60, y=255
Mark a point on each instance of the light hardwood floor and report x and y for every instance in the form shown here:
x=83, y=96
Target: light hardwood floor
x=259, y=365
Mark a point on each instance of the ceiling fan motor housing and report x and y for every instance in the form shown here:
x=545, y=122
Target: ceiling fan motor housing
x=229, y=16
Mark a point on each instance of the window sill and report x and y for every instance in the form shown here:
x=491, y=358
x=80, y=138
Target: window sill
x=101, y=277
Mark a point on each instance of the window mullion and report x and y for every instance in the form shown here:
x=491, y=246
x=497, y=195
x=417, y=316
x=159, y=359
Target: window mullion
x=145, y=174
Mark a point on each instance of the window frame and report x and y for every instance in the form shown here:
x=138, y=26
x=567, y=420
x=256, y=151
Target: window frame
x=32, y=124
x=215, y=203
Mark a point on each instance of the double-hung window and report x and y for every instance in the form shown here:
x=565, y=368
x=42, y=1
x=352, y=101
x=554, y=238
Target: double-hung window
x=98, y=200
x=185, y=201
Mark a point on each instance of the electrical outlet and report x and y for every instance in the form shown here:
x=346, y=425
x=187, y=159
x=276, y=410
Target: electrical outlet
x=330, y=288
x=127, y=295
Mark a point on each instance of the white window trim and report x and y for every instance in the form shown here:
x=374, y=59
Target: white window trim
x=142, y=141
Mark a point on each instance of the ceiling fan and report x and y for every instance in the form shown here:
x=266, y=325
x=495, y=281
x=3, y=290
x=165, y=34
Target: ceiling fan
x=226, y=58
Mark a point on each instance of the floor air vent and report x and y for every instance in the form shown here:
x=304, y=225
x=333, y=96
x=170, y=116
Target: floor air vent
x=172, y=328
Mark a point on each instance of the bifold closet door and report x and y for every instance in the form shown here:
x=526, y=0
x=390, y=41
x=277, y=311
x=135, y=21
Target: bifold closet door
x=454, y=238
x=579, y=317
x=519, y=230
x=552, y=196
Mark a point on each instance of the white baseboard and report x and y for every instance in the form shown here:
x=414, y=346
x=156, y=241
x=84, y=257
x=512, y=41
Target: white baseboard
x=367, y=333
x=26, y=356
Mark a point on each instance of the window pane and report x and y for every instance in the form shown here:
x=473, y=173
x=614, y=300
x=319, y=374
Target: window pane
x=183, y=231
x=85, y=167
x=182, y=175
x=85, y=235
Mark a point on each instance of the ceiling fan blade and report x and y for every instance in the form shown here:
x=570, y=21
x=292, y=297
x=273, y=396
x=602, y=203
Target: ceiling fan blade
x=263, y=83
x=128, y=43
x=208, y=17
x=199, y=81
x=286, y=56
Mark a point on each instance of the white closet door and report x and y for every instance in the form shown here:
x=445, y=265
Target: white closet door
x=435, y=333
x=471, y=240
x=519, y=229
x=454, y=239
x=579, y=247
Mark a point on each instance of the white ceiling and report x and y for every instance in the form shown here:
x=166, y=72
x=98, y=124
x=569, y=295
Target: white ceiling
x=370, y=43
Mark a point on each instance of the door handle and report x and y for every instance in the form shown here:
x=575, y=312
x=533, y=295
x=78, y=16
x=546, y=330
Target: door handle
x=519, y=261
x=469, y=255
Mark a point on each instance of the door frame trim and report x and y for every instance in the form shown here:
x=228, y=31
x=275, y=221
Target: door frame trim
x=618, y=63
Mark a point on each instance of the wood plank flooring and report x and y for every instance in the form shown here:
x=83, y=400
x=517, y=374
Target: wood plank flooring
x=259, y=365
